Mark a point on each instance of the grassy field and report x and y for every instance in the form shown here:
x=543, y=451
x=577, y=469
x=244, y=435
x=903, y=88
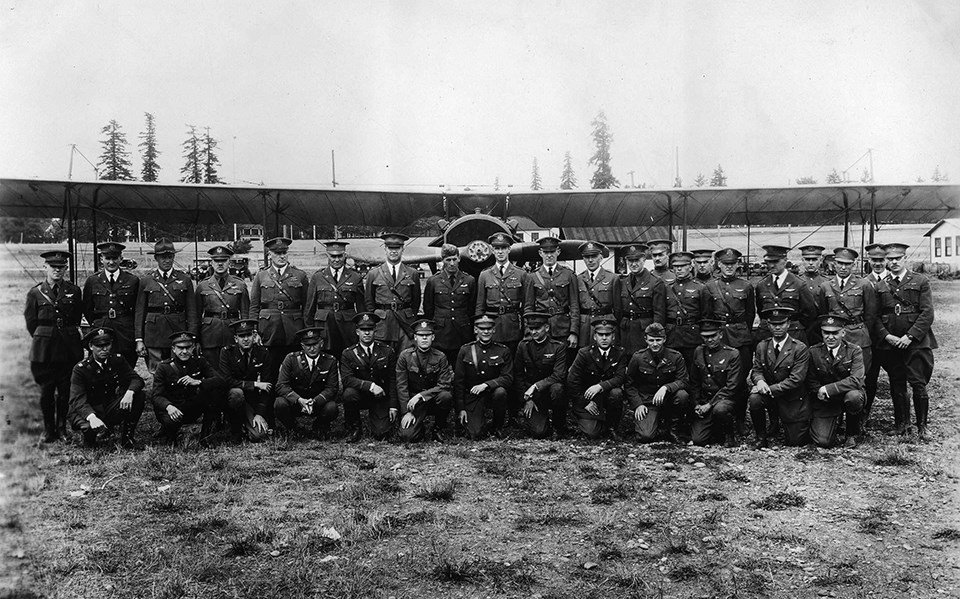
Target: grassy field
x=514, y=518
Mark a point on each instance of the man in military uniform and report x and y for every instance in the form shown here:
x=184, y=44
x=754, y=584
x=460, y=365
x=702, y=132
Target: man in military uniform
x=243, y=366
x=186, y=388
x=595, y=382
x=553, y=289
x=221, y=299
x=642, y=300
x=596, y=288
x=424, y=386
x=660, y=254
x=334, y=297
x=783, y=289
x=657, y=383
x=812, y=277
x=368, y=370
x=110, y=300
x=714, y=387
x=703, y=265
x=166, y=304
x=835, y=384
x=449, y=299
x=392, y=291
x=308, y=384
x=53, y=311
x=906, y=338
x=482, y=375
x=777, y=376
x=105, y=391
x=878, y=263
x=500, y=290
x=877, y=273
x=732, y=301
x=278, y=295
x=539, y=370
x=688, y=301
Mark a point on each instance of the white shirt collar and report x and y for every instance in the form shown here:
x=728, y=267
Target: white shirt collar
x=781, y=278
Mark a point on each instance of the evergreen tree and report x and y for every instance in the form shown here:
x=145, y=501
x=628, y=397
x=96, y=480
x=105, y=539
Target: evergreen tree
x=149, y=151
x=939, y=177
x=602, y=138
x=920, y=179
x=718, y=179
x=535, y=181
x=210, y=160
x=568, y=180
x=808, y=180
x=677, y=181
x=496, y=183
x=866, y=177
x=114, y=162
x=834, y=177
x=700, y=181
x=192, y=170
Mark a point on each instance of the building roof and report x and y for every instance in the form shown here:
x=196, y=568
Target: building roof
x=616, y=235
x=953, y=222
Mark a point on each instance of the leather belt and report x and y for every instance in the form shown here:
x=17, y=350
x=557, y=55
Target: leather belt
x=555, y=311
x=637, y=315
x=681, y=321
x=50, y=322
x=901, y=309
x=335, y=306
x=224, y=314
x=394, y=306
x=165, y=310
x=506, y=309
x=597, y=312
x=734, y=319
x=281, y=306
x=111, y=313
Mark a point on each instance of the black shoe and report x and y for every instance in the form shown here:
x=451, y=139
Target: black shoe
x=922, y=432
x=773, y=430
x=50, y=436
x=560, y=434
x=851, y=442
x=614, y=436
x=731, y=441
x=356, y=433
x=900, y=429
x=668, y=437
x=90, y=438
x=438, y=435
x=761, y=444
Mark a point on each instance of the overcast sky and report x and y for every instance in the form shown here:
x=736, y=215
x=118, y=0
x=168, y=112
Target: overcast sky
x=461, y=93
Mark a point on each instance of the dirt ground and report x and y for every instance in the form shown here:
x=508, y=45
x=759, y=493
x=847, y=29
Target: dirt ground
x=514, y=518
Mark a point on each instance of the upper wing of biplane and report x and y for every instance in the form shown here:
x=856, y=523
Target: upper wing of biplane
x=695, y=207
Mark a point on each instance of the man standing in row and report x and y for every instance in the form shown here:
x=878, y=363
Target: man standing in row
x=642, y=300
x=221, y=299
x=110, y=300
x=553, y=289
x=782, y=289
x=597, y=288
x=278, y=295
x=392, y=291
x=687, y=302
x=660, y=254
x=703, y=265
x=877, y=273
x=500, y=291
x=855, y=299
x=812, y=256
x=334, y=298
x=449, y=299
x=166, y=305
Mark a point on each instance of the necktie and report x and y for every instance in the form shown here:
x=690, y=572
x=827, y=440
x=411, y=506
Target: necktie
x=776, y=350
x=776, y=284
x=394, y=274
x=592, y=277
x=550, y=272
x=56, y=290
x=112, y=279
x=336, y=276
x=503, y=270
x=246, y=360
x=452, y=281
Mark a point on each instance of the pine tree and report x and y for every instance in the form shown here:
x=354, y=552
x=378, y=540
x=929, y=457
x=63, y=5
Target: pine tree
x=808, y=180
x=114, y=162
x=602, y=138
x=866, y=177
x=677, y=181
x=535, y=181
x=149, y=151
x=210, y=160
x=939, y=177
x=192, y=170
x=568, y=180
x=718, y=179
x=834, y=177
x=700, y=181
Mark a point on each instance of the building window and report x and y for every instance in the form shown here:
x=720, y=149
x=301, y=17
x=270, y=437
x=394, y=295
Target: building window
x=936, y=247
x=534, y=236
x=947, y=246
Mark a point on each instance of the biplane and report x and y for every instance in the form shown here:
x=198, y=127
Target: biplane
x=467, y=219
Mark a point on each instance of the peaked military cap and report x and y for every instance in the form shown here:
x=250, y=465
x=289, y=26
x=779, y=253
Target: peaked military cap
x=593, y=248
x=394, y=240
x=775, y=252
x=500, y=239
x=182, y=337
x=777, y=315
x=895, y=250
x=681, y=258
x=110, y=249
x=310, y=335
x=655, y=330
x=536, y=319
x=702, y=255
x=548, y=244
x=278, y=244
x=875, y=250
x=728, y=255
x=448, y=250
x=99, y=336
x=366, y=320
x=844, y=254
x=484, y=320
x=220, y=252
x=832, y=322
x=709, y=326
x=812, y=251
x=244, y=326
x=424, y=326
x=604, y=324
x=336, y=247
x=162, y=247
x=636, y=251
x=659, y=245
x=56, y=257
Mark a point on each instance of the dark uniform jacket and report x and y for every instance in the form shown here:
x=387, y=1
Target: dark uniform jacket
x=557, y=296
x=857, y=301
x=540, y=364
x=794, y=294
x=477, y=363
x=906, y=308
x=166, y=389
x=589, y=369
x=451, y=307
x=94, y=385
x=54, y=322
x=666, y=275
x=358, y=370
x=114, y=306
x=646, y=373
x=596, y=299
x=688, y=302
x=504, y=296
x=427, y=373
x=333, y=304
x=785, y=374
x=242, y=373
x=217, y=308
x=641, y=301
x=295, y=379
x=733, y=301
x=277, y=303
x=395, y=302
x=714, y=375
x=840, y=375
x=164, y=308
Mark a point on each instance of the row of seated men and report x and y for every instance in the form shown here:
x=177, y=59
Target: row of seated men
x=810, y=390
x=892, y=321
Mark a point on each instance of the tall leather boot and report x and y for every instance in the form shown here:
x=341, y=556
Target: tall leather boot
x=921, y=406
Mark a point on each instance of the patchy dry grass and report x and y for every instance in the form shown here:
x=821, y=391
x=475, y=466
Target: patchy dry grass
x=894, y=456
x=779, y=501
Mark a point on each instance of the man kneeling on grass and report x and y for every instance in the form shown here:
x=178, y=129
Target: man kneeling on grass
x=835, y=384
x=657, y=384
x=424, y=385
x=714, y=384
x=368, y=371
x=539, y=372
x=307, y=384
x=186, y=388
x=245, y=368
x=105, y=391
x=482, y=376
x=596, y=381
